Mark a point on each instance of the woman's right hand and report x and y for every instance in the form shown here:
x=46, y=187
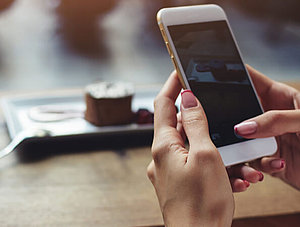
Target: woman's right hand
x=282, y=120
x=191, y=183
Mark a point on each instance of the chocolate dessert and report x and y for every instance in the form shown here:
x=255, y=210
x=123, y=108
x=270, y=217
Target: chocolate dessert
x=109, y=103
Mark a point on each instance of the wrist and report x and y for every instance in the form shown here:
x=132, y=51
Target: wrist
x=187, y=215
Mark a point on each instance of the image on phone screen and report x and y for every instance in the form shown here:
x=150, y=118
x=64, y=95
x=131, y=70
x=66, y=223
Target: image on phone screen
x=217, y=77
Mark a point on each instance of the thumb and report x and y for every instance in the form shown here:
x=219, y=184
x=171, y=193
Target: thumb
x=194, y=120
x=271, y=123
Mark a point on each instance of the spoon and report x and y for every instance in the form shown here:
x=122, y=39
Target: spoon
x=21, y=136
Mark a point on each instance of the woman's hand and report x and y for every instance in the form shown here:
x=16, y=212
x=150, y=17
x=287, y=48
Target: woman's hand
x=281, y=120
x=240, y=175
x=191, y=184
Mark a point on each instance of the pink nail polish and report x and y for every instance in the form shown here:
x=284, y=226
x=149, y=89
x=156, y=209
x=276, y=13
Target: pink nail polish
x=246, y=128
x=277, y=164
x=188, y=99
x=247, y=184
x=261, y=176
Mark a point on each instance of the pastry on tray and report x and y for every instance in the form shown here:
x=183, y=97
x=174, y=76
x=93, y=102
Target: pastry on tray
x=109, y=103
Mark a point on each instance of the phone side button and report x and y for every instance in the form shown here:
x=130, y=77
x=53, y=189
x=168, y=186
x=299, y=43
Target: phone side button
x=169, y=50
x=178, y=71
x=174, y=63
x=163, y=34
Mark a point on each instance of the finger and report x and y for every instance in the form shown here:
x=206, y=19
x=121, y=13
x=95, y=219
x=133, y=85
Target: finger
x=194, y=120
x=261, y=82
x=245, y=172
x=239, y=185
x=164, y=107
x=272, y=94
x=179, y=127
x=297, y=100
x=179, y=122
x=172, y=87
x=269, y=165
x=297, y=106
x=166, y=139
x=271, y=123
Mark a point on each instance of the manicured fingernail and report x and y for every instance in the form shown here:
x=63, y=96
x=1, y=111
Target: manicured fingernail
x=278, y=164
x=246, y=128
x=188, y=99
x=247, y=184
x=261, y=176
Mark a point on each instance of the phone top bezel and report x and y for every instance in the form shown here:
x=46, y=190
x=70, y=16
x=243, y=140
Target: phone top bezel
x=209, y=13
x=190, y=14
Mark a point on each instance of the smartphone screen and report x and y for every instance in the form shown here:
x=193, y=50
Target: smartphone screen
x=217, y=77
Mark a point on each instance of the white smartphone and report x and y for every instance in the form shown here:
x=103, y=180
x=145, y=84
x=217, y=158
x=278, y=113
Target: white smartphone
x=208, y=62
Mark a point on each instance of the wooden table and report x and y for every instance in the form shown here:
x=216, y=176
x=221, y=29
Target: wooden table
x=103, y=182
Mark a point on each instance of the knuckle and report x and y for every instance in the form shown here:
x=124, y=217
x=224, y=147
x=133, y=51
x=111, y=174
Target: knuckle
x=150, y=172
x=206, y=155
x=275, y=119
x=156, y=154
x=160, y=148
x=174, y=146
x=194, y=118
x=275, y=116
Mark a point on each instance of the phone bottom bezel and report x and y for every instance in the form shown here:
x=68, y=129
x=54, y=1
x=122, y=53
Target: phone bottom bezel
x=248, y=150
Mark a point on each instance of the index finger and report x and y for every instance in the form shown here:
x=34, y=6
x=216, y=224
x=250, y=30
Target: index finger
x=164, y=104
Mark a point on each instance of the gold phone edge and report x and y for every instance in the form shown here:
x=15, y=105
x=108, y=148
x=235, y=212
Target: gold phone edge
x=170, y=51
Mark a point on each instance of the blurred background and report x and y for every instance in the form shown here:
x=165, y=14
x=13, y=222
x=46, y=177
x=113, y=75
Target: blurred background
x=48, y=44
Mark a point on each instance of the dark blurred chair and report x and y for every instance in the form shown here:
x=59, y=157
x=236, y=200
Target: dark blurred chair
x=79, y=25
x=4, y=4
x=277, y=9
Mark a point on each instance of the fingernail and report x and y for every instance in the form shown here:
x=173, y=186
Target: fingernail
x=246, y=128
x=278, y=164
x=188, y=99
x=261, y=176
x=247, y=184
